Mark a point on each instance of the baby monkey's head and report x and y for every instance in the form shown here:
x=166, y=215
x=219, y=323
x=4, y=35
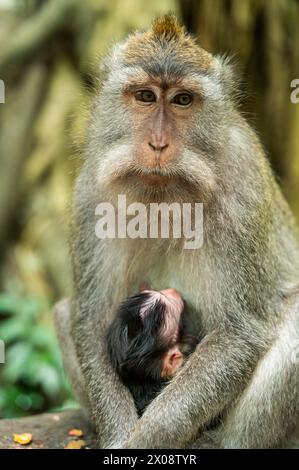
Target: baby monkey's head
x=147, y=340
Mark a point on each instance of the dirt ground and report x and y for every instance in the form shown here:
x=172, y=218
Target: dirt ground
x=49, y=431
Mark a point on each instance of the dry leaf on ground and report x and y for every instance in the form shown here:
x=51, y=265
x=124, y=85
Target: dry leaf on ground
x=76, y=432
x=75, y=444
x=22, y=439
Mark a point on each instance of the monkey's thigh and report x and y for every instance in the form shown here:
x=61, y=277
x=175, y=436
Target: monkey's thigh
x=267, y=413
x=62, y=319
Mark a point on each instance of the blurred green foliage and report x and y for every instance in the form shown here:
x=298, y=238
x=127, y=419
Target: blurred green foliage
x=31, y=379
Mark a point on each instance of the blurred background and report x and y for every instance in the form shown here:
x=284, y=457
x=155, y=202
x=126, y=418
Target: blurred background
x=50, y=51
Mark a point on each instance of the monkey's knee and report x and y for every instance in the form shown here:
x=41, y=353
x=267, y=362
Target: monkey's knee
x=62, y=320
x=62, y=315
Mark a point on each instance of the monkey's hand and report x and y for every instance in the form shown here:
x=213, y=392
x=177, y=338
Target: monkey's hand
x=213, y=376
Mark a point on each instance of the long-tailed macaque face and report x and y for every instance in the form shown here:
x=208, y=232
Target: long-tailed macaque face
x=162, y=98
x=160, y=112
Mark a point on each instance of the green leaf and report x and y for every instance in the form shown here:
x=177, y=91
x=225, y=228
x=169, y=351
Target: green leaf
x=12, y=329
x=17, y=357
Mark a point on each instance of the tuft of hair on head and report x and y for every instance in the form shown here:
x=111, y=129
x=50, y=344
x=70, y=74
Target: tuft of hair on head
x=167, y=27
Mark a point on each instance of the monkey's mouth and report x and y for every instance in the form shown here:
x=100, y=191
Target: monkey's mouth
x=175, y=182
x=158, y=185
x=154, y=178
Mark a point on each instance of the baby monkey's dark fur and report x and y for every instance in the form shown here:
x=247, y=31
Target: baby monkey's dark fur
x=136, y=346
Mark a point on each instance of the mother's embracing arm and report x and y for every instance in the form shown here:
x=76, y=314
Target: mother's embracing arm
x=213, y=376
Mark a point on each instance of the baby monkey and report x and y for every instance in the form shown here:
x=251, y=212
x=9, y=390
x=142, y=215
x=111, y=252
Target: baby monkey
x=148, y=342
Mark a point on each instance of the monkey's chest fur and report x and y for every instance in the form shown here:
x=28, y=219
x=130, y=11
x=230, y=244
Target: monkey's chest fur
x=163, y=265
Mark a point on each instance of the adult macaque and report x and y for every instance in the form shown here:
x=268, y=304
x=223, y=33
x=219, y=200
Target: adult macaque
x=148, y=342
x=166, y=128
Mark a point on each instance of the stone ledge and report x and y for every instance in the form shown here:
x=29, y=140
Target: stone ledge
x=49, y=430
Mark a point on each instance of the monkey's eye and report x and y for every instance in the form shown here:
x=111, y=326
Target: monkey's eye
x=146, y=96
x=182, y=99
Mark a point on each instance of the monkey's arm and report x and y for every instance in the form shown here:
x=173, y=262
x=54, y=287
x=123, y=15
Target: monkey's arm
x=111, y=404
x=214, y=375
x=95, y=298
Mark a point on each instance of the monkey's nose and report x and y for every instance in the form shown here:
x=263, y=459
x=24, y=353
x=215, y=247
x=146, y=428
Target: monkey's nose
x=158, y=147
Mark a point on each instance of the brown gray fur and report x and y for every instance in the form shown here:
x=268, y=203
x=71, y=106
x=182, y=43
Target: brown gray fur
x=240, y=284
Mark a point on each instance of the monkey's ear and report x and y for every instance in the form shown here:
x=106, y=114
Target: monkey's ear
x=171, y=362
